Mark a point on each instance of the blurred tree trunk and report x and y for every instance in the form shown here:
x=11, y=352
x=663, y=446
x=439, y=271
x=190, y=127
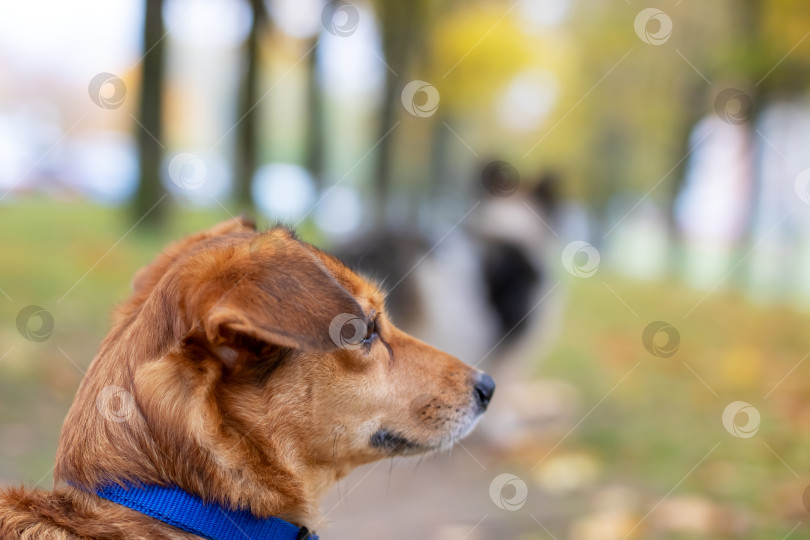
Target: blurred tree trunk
x=395, y=57
x=150, y=151
x=247, y=132
x=315, y=146
x=698, y=97
x=750, y=16
x=694, y=100
x=439, y=189
x=402, y=23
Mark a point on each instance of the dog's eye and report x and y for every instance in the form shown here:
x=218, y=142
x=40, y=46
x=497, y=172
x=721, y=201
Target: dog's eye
x=371, y=332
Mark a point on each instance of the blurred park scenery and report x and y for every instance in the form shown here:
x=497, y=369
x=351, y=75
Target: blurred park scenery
x=666, y=396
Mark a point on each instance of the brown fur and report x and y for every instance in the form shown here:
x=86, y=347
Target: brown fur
x=220, y=376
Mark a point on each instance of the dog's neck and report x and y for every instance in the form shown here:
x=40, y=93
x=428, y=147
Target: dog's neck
x=188, y=443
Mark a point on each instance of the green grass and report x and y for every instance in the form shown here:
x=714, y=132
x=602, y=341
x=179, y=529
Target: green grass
x=662, y=419
x=76, y=261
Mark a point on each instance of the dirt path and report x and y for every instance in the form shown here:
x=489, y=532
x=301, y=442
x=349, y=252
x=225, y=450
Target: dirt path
x=443, y=497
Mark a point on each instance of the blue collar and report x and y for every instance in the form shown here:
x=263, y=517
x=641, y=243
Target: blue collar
x=188, y=512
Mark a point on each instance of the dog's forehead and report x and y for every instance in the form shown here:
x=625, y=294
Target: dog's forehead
x=366, y=293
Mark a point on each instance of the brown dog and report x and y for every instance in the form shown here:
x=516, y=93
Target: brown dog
x=253, y=371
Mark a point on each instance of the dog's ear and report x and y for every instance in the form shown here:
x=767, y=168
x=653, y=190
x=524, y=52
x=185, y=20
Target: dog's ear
x=279, y=294
x=546, y=192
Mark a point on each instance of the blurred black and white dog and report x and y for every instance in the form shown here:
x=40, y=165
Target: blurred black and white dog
x=480, y=289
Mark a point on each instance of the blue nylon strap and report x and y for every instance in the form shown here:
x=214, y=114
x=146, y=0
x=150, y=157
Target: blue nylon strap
x=188, y=512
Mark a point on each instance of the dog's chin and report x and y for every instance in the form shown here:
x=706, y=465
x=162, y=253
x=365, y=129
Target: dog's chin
x=395, y=443
x=459, y=433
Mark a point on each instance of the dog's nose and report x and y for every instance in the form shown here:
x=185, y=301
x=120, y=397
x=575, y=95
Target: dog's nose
x=484, y=388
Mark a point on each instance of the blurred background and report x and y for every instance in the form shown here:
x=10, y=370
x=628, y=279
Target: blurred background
x=605, y=204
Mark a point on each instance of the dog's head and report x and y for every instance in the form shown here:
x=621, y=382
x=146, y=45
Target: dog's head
x=254, y=369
